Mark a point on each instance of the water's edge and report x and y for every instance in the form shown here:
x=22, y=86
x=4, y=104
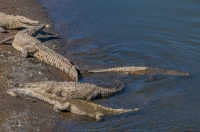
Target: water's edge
x=156, y=34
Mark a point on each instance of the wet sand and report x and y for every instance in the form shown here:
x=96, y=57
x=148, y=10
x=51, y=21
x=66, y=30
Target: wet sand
x=24, y=113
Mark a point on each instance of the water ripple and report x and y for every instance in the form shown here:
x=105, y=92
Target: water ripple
x=156, y=33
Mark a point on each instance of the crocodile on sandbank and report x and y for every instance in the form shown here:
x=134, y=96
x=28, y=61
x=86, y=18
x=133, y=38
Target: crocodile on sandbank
x=26, y=42
x=75, y=106
x=133, y=70
x=14, y=22
x=74, y=90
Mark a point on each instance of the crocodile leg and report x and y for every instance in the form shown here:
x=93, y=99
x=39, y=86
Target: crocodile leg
x=57, y=93
x=26, y=50
x=61, y=106
x=99, y=116
x=52, y=91
x=6, y=39
x=49, y=90
x=94, y=95
x=2, y=30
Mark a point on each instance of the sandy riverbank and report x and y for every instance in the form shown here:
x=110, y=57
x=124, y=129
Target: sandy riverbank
x=24, y=113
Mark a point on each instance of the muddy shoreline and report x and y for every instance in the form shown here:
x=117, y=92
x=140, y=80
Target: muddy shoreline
x=24, y=113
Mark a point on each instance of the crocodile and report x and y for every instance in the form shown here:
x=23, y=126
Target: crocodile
x=14, y=22
x=134, y=70
x=74, y=90
x=26, y=42
x=76, y=106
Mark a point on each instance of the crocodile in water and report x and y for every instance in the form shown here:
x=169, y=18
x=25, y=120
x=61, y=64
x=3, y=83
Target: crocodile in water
x=133, y=70
x=75, y=106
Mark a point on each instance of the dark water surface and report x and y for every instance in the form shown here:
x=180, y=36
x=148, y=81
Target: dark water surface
x=155, y=33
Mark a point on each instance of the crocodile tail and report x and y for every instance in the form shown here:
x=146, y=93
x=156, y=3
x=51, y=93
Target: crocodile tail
x=101, y=70
x=157, y=71
x=119, y=111
x=119, y=69
x=2, y=30
x=83, y=72
x=7, y=39
x=105, y=92
x=175, y=73
x=120, y=86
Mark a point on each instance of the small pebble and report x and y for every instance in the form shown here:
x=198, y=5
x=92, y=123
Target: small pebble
x=20, y=85
x=54, y=46
x=47, y=26
x=31, y=75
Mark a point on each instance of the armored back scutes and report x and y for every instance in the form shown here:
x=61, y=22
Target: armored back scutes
x=28, y=45
x=74, y=90
x=133, y=70
x=51, y=57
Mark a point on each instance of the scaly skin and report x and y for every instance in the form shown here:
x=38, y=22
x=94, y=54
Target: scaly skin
x=25, y=42
x=32, y=31
x=14, y=22
x=74, y=90
x=141, y=71
x=75, y=106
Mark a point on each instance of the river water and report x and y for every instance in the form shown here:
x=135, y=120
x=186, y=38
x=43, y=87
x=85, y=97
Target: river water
x=156, y=33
